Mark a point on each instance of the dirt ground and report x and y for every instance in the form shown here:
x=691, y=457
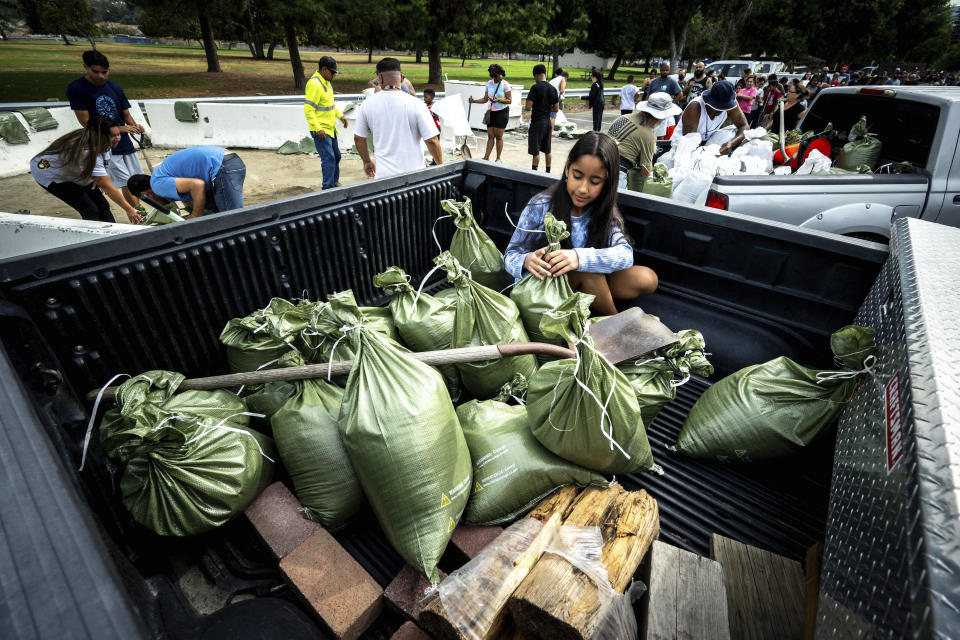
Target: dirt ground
x=270, y=176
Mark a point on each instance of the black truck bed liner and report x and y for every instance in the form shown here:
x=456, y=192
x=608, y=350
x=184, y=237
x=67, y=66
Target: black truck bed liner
x=159, y=298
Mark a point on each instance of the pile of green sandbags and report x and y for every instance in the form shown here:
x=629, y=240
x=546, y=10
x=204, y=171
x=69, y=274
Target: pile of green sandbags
x=484, y=317
x=775, y=408
x=189, y=461
x=257, y=341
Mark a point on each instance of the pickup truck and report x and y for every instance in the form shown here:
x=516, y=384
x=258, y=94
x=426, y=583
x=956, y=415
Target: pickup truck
x=731, y=69
x=74, y=563
x=915, y=124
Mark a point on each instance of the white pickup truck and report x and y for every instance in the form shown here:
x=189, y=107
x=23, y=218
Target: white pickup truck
x=919, y=125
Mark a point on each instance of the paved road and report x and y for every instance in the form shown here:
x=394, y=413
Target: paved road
x=584, y=119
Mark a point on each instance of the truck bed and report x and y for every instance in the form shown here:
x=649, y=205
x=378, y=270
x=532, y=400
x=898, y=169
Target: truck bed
x=159, y=298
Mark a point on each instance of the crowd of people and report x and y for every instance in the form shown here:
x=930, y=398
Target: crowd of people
x=100, y=159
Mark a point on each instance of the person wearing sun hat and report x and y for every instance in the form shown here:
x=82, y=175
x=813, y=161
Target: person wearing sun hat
x=707, y=113
x=635, y=135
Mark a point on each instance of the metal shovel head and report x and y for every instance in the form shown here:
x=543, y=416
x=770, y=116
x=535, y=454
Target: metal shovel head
x=629, y=335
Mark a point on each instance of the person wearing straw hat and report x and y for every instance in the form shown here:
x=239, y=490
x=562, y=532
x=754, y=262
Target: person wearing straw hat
x=707, y=113
x=635, y=134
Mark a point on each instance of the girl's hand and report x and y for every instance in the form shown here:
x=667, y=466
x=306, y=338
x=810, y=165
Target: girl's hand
x=134, y=216
x=533, y=262
x=563, y=261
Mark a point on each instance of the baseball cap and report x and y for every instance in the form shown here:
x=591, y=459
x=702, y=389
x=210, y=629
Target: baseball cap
x=329, y=63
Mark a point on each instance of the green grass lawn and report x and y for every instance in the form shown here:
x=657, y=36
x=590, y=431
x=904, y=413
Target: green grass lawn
x=40, y=70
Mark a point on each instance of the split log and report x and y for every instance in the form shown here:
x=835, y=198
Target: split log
x=497, y=570
x=560, y=602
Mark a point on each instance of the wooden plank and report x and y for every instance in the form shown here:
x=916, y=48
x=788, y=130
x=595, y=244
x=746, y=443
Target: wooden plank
x=765, y=592
x=558, y=601
x=812, y=588
x=662, y=600
x=499, y=569
x=687, y=598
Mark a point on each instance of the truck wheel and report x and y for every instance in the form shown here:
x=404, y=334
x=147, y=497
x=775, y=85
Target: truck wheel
x=872, y=237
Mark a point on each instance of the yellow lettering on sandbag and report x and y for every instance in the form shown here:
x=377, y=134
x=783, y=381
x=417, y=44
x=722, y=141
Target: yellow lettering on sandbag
x=444, y=500
x=477, y=487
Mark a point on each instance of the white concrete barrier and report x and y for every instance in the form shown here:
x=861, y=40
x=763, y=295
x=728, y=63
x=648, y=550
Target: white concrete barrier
x=15, y=158
x=236, y=126
x=21, y=234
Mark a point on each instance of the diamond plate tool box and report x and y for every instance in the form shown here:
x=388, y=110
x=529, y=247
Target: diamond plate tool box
x=73, y=317
x=891, y=562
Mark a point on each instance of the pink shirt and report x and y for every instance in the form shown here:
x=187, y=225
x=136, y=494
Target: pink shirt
x=746, y=103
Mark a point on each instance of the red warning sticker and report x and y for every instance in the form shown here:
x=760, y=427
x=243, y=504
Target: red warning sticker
x=894, y=423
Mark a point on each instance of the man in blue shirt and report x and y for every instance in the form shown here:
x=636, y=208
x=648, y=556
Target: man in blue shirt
x=94, y=95
x=665, y=84
x=208, y=177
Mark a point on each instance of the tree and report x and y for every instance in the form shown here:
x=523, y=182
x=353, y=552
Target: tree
x=9, y=16
x=566, y=23
x=613, y=29
x=678, y=16
x=360, y=31
x=166, y=15
x=63, y=17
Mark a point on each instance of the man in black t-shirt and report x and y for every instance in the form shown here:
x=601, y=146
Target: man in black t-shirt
x=542, y=99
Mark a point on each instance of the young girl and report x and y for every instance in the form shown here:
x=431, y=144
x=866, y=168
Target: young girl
x=74, y=169
x=598, y=255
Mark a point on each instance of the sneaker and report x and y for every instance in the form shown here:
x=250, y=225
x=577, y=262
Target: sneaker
x=499, y=160
x=337, y=184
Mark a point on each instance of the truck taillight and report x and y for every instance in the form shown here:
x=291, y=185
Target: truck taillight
x=871, y=91
x=717, y=200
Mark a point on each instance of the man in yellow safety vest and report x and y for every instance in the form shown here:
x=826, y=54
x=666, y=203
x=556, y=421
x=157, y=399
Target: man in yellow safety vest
x=322, y=114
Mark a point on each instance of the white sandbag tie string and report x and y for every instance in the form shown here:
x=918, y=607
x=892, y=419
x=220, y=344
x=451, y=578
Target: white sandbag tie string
x=93, y=417
x=868, y=365
x=673, y=383
x=345, y=329
x=423, y=282
x=222, y=427
x=434, y=230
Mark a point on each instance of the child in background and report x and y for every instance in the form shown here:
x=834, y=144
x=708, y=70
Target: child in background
x=746, y=95
x=598, y=255
x=428, y=97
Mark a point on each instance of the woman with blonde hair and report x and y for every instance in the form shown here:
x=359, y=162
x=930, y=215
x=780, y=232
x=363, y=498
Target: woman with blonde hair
x=74, y=169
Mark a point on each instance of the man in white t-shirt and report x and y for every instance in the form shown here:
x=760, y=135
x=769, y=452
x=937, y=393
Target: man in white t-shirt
x=628, y=97
x=398, y=122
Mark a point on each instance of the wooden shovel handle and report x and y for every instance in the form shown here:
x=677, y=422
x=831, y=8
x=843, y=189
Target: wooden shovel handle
x=446, y=356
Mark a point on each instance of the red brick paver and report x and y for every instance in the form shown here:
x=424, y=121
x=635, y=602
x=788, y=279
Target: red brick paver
x=333, y=585
x=405, y=594
x=275, y=516
x=409, y=631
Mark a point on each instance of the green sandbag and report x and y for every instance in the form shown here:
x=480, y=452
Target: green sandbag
x=311, y=448
x=656, y=376
x=11, y=129
x=566, y=400
x=307, y=145
x=659, y=183
x=775, y=408
x=485, y=317
x=288, y=148
x=424, y=322
x=186, y=111
x=533, y=296
x=512, y=471
x=190, y=462
x=39, y=118
x=258, y=340
x=323, y=341
x=404, y=440
x=156, y=218
x=864, y=150
x=473, y=247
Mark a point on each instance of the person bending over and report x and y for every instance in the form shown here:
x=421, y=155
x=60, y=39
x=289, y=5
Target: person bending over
x=598, y=256
x=75, y=167
x=209, y=178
